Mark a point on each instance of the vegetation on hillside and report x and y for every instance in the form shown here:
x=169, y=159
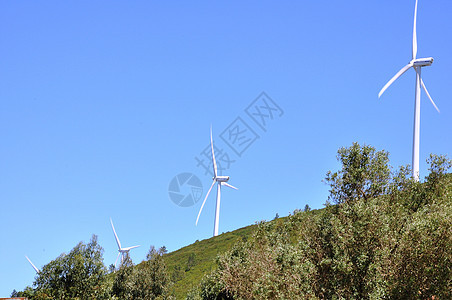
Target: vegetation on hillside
x=381, y=235
x=188, y=265
x=386, y=236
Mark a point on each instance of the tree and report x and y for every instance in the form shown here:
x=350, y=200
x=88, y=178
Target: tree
x=123, y=282
x=162, y=250
x=27, y=293
x=191, y=261
x=438, y=167
x=148, y=280
x=152, y=279
x=111, y=268
x=365, y=174
x=78, y=274
x=151, y=253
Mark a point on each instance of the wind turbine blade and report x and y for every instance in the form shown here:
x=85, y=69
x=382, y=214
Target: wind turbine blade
x=403, y=70
x=227, y=184
x=414, y=33
x=130, y=248
x=116, y=236
x=204, y=202
x=431, y=100
x=34, y=267
x=213, y=154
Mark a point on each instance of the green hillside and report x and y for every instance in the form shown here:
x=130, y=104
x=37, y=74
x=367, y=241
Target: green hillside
x=188, y=265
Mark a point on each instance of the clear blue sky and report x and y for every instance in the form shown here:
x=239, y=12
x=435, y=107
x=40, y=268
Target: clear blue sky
x=102, y=103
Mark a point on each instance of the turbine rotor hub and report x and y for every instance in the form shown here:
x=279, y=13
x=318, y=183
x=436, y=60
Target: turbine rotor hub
x=422, y=62
x=221, y=178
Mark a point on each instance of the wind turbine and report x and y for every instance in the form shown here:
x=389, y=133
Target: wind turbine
x=122, y=251
x=34, y=267
x=220, y=180
x=416, y=64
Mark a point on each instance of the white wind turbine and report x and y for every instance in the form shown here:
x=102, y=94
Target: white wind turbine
x=122, y=251
x=220, y=180
x=416, y=64
x=34, y=267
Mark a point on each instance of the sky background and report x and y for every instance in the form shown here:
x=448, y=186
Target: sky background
x=102, y=103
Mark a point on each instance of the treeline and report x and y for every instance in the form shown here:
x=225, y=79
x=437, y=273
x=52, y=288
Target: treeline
x=81, y=274
x=382, y=235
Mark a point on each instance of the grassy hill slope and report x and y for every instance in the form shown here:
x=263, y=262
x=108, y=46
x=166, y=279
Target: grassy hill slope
x=188, y=265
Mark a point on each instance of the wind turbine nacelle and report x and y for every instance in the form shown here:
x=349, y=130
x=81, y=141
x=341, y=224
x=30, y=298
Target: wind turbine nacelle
x=423, y=62
x=222, y=178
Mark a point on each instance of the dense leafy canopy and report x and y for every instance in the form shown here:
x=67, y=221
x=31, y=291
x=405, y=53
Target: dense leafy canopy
x=81, y=274
x=387, y=237
x=148, y=280
x=365, y=174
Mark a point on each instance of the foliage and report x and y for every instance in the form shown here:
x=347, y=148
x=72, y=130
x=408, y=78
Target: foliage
x=28, y=292
x=387, y=237
x=190, y=262
x=204, y=253
x=81, y=274
x=123, y=281
x=78, y=274
x=176, y=281
x=148, y=280
x=365, y=174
